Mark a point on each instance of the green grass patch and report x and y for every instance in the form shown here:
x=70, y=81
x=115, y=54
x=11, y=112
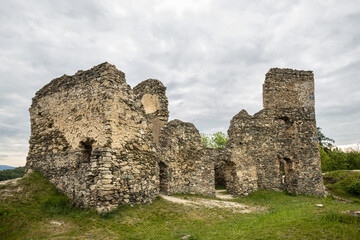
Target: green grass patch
x=343, y=183
x=39, y=211
x=220, y=187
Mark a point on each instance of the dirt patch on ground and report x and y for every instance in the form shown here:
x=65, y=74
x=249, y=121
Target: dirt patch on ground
x=222, y=194
x=209, y=203
x=10, y=182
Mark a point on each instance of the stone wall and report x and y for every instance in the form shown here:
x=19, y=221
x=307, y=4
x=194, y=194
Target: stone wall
x=152, y=94
x=104, y=144
x=279, y=140
x=185, y=167
x=288, y=88
x=88, y=138
x=219, y=157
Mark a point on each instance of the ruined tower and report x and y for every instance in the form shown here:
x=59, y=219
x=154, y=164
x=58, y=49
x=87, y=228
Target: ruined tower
x=277, y=148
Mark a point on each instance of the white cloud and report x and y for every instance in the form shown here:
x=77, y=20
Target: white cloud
x=211, y=55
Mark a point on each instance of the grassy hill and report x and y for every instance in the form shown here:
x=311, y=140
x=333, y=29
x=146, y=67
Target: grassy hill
x=344, y=184
x=33, y=209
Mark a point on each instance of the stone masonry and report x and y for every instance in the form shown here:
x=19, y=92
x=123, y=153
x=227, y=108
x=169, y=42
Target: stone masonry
x=104, y=144
x=184, y=165
x=152, y=95
x=277, y=148
x=88, y=138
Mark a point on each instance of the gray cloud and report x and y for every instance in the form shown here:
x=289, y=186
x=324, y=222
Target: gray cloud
x=211, y=55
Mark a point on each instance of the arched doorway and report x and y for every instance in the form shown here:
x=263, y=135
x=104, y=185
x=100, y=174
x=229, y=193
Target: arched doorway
x=86, y=150
x=286, y=173
x=219, y=169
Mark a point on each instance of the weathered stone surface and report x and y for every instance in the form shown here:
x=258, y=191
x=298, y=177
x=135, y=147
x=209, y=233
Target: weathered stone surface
x=280, y=139
x=152, y=95
x=83, y=127
x=219, y=157
x=184, y=165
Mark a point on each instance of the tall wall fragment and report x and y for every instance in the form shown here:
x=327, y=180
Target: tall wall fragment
x=88, y=138
x=152, y=95
x=184, y=165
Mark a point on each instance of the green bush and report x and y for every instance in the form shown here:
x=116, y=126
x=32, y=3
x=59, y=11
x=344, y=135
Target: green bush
x=354, y=189
x=336, y=159
x=343, y=183
x=333, y=158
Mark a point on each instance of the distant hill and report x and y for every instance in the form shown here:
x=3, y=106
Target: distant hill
x=12, y=173
x=5, y=167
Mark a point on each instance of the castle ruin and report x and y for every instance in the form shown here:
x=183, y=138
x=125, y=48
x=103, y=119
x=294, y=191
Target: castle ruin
x=104, y=144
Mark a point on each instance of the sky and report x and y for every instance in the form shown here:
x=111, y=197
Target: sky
x=211, y=55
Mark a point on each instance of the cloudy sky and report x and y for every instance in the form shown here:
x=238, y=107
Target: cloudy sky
x=211, y=55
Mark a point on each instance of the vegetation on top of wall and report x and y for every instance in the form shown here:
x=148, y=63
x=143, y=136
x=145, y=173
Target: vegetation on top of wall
x=217, y=140
x=12, y=173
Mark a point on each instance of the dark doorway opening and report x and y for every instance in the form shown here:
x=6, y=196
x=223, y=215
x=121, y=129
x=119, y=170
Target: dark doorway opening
x=282, y=172
x=286, y=171
x=220, y=181
x=86, y=150
x=163, y=178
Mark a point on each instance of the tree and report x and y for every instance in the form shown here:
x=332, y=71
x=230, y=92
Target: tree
x=333, y=158
x=217, y=140
x=353, y=159
x=326, y=161
x=324, y=141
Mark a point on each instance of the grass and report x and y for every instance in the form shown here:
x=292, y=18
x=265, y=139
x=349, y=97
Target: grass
x=36, y=211
x=343, y=183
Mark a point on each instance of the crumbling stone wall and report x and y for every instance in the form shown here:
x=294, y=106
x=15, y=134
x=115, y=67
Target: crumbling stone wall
x=152, y=94
x=280, y=139
x=104, y=144
x=219, y=157
x=88, y=138
x=185, y=167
